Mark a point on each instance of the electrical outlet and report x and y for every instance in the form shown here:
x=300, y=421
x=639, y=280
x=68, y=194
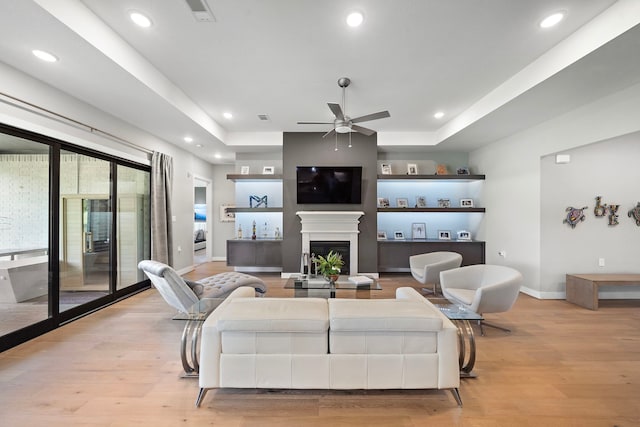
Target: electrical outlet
x=601, y=262
x=179, y=248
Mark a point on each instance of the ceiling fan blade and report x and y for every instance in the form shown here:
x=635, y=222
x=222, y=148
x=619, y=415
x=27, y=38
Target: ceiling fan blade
x=336, y=109
x=330, y=133
x=315, y=123
x=374, y=116
x=364, y=131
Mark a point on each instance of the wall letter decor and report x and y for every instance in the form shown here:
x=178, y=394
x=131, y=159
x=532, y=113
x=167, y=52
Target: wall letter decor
x=613, y=214
x=600, y=209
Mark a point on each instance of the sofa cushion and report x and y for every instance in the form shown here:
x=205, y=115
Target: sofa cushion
x=275, y=315
x=382, y=315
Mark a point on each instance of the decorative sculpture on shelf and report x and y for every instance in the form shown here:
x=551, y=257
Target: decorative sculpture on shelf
x=574, y=216
x=259, y=201
x=635, y=214
x=253, y=231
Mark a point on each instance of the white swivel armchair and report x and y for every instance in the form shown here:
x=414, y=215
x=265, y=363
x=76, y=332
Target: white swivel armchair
x=482, y=288
x=426, y=268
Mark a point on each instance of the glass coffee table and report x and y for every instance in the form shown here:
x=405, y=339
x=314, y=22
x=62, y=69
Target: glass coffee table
x=466, y=339
x=190, y=342
x=306, y=286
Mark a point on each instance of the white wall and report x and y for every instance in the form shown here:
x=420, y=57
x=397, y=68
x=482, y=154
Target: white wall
x=223, y=193
x=608, y=169
x=185, y=164
x=512, y=190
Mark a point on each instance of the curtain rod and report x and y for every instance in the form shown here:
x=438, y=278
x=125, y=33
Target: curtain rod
x=36, y=109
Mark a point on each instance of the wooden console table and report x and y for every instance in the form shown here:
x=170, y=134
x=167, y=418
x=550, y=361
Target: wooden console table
x=582, y=289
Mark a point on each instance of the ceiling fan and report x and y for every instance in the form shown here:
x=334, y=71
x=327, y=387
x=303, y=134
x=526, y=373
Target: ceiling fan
x=344, y=123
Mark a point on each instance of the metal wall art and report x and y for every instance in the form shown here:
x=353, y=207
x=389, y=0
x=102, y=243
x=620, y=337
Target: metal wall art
x=260, y=201
x=635, y=214
x=574, y=216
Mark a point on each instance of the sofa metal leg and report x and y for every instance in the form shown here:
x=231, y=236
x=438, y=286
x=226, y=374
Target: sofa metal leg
x=456, y=395
x=201, y=394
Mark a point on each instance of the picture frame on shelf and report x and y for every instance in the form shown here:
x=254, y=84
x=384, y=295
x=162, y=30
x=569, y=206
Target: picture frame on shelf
x=386, y=168
x=402, y=202
x=463, y=171
x=444, y=235
x=464, y=235
x=244, y=170
x=441, y=169
x=383, y=202
x=412, y=169
x=418, y=231
x=225, y=215
x=268, y=170
x=466, y=203
x=421, y=202
x=398, y=235
x=444, y=203
x=382, y=235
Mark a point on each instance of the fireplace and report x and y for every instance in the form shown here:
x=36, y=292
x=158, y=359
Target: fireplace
x=332, y=226
x=323, y=247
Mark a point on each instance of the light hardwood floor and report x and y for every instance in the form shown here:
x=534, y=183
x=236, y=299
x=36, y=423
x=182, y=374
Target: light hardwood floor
x=561, y=366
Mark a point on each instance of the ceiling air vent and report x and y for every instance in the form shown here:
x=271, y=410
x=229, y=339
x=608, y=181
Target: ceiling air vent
x=200, y=10
x=263, y=117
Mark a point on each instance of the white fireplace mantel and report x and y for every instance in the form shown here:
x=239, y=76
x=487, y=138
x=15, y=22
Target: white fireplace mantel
x=332, y=225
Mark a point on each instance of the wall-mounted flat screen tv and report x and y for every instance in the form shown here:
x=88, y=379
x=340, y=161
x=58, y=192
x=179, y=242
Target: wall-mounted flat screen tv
x=329, y=184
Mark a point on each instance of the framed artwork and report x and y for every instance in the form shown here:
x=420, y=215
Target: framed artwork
x=464, y=235
x=398, y=235
x=412, y=169
x=444, y=235
x=383, y=202
x=244, y=170
x=466, y=203
x=382, y=235
x=421, y=202
x=444, y=203
x=225, y=215
x=418, y=230
x=402, y=202
x=386, y=169
x=463, y=171
x=268, y=170
x=441, y=170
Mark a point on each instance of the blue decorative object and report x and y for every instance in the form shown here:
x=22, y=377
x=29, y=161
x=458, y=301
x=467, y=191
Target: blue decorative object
x=260, y=201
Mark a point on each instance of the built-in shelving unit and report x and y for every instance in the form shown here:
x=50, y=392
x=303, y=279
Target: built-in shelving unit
x=393, y=254
x=262, y=252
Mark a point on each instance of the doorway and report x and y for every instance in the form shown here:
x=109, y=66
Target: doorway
x=201, y=221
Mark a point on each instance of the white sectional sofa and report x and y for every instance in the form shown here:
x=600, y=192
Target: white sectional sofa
x=315, y=343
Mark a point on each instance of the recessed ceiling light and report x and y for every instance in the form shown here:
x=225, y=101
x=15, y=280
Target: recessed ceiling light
x=439, y=115
x=199, y=145
x=188, y=139
x=228, y=115
x=45, y=56
x=140, y=20
x=552, y=20
x=217, y=156
x=354, y=19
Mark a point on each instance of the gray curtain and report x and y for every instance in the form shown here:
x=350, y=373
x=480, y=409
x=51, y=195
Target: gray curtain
x=161, y=228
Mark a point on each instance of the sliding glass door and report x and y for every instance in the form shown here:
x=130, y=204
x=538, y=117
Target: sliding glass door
x=74, y=224
x=24, y=232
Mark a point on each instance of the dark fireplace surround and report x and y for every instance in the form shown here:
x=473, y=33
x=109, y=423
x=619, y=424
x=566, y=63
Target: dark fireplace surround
x=323, y=247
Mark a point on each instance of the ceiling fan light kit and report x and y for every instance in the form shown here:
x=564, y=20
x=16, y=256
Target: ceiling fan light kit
x=343, y=123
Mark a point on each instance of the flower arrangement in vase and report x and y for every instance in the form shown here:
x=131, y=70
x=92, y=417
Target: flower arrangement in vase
x=330, y=266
